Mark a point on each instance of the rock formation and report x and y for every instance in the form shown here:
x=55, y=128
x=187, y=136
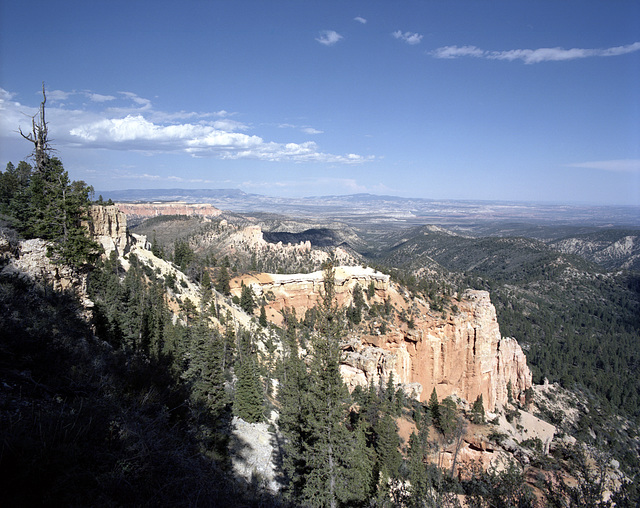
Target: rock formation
x=461, y=355
x=302, y=291
x=108, y=225
x=28, y=260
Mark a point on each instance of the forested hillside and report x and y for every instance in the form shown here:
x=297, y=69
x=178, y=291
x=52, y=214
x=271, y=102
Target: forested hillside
x=578, y=322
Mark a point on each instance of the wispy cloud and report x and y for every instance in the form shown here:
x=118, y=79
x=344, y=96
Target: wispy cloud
x=328, y=37
x=96, y=97
x=408, y=37
x=617, y=166
x=531, y=56
x=360, y=19
x=457, y=52
x=311, y=130
x=57, y=95
x=141, y=101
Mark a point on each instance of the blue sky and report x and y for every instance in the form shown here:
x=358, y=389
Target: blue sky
x=525, y=101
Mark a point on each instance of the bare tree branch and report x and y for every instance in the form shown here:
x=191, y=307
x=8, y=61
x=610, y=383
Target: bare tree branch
x=39, y=135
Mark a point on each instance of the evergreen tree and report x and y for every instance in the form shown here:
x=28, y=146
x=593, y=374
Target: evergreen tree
x=247, y=302
x=331, y=477
x=477, y=410
x=183, y=254
x=262, y=321
x=204, y=372
x=293, y=415
x=222, y=283
x=45, y=203
x=447, y=417
x=434, y=406
x=249, y=397
x=387, y=444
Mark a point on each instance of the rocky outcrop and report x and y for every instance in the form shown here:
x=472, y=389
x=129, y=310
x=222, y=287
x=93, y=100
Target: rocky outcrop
x=302, y=291
x=28, y=260
x=462, y=355
x=108, y=226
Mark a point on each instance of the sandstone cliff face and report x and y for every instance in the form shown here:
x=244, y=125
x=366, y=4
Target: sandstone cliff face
x=108, y=225
x=462, y=355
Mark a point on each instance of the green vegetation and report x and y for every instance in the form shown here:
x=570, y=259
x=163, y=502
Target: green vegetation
x=577, y=323
x=41, y=201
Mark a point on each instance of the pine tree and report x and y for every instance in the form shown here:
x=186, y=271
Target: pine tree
x=262, y=321
x=293, y=414
x=222, y=284
x=328, y=446
x=434, y=407
x=447, y=418
x=387, y=444
x=51, y=206
x=477, y=410
x=249, y=397
x=247, y=302
x=205, y=372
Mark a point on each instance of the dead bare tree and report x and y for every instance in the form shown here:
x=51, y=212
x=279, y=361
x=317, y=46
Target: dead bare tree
x=39, y=136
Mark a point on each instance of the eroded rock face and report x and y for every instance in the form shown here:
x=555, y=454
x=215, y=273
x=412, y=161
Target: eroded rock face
x=28, y=260
x=461, y=355
x=108, y=226
x=302, y=291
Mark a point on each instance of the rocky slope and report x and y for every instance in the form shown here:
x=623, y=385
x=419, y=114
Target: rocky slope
x=612, y=249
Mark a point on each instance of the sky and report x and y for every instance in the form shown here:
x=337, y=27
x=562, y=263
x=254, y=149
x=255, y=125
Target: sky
x=489, y=100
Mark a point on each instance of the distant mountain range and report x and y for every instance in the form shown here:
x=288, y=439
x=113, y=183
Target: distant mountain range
x=478, y=217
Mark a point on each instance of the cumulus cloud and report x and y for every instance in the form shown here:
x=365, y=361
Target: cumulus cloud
x=531, y=56
x=408, y=37
x=360, y=19
x=328, y=37
x=132, y=124
x=617, y=166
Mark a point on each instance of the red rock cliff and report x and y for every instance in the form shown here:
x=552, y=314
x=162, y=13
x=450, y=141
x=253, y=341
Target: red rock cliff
x=463, y=355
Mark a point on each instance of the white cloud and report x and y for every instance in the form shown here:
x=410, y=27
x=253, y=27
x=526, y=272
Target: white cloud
x=531, y=56
x=57, y=95
x=141, y=101
x=408, y=37
x=143, y=129
x=618, y=165
x=328, y=37
x=457, y=51
x=360, y=19
x=97, y=97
